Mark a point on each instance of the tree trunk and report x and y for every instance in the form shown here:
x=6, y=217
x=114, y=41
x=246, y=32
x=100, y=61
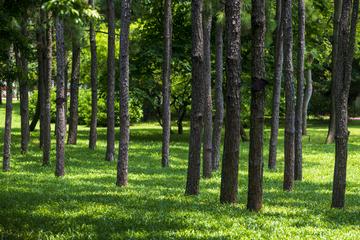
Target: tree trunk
x=74, y=91
x=166, y=88
x=337, y=14
x=343, y=65
x=256, y=163
x=307, y=97
x=41, y=74
x=60, y=98
x=93, y=124
x=219, y=98
x=207, y=138
x=110, y=148
x=122, y=167
x=289, y=148
x=230, y=163
x=36, y=116
x=243, y=135
x=181, y=115
x=300, y=91
x=277, y=87
x=197, y=99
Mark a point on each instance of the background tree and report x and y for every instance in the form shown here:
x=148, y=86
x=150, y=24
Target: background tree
x=307, y=94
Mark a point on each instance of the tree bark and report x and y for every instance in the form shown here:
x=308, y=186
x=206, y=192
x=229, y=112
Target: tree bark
x=197, y=99
x=36, y=116
x=41, y=74
x=343, y=65
x=122, y=167
x=60, y=98
x=289, y=148
x=166, y=87
x=300, y=91
x=110, y=148
x=277, y=87
x=207, y=138
x=230, y=163
x=74, y=91
x=307, y=98
x=93, y=124
x=256, y=163
x=219, y=98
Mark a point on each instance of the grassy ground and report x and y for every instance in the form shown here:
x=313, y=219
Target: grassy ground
x=86, y=204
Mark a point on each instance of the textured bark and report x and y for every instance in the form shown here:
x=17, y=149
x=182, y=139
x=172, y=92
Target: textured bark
x=197, y=99
x=122, y=167
x=110, y=133
x=219, y=98
x=300, y=91
x=289, y=148
x=307, y=98
x=256, y=163
x=343, y=65
x=277, y=87
x=93, y=124
x=230, y=163
x=207, y=138
x=336, y=20
x=166, y=88
x=74, y=91
x=60, y=98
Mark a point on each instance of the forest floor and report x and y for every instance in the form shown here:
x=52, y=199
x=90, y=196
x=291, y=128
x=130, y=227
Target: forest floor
x=86, y=204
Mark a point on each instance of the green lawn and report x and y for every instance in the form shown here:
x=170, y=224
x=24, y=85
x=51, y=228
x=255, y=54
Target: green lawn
x=86, y=204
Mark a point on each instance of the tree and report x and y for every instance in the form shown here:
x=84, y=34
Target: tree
x=122, y=167
x=289, y=148
x=207, y=138
x=343, y=65
x=255, y=177
x=93, y=124
x=307, y=95
x=60, y=98
x=197, y=99
x=219, y=98
x=277, y=87
x=110, y=133
x=230, y=163
x=300, y=91
x=166, y=88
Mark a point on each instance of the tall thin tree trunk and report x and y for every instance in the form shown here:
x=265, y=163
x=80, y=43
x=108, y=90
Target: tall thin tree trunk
x=110, y=133
x=307, y=98
x=277, y=87
x=197, y=99
x=60, y=98
x=343, y=65
x=166, y=88
x=93, y=124
x=300, y=91
x=122, y=167
x=337, y=14
x=256, y=163
x=41, y=74
x=230, y=163
x=289, y=148
x=219, y=98
x=36, y=116
x=207, y=138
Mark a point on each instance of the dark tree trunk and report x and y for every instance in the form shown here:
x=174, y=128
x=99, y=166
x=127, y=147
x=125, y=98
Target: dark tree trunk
x=207, y=138
x=110, y=147
x=343, y=65
x=277, y=87
x=166, y=88
x=197, y=99
x=230, y=163
x=122, y=168
x=300, y=91
x=41, y=74
x=243, y=135
x=60, y=98
x=181, y=115
x=74, y=91
x=93, y=124
x=307, y=97
x=289, y=148
x=219, y=98
x=36, y=116
x=337, y=14
x=256, y=163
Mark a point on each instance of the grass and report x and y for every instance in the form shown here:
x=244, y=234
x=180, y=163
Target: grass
x=86, y=204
